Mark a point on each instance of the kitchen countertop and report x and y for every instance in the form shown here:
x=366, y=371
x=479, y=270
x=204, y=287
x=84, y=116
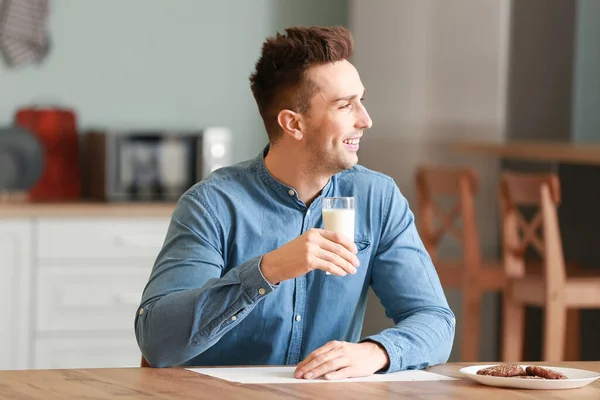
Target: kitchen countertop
x=85, y=209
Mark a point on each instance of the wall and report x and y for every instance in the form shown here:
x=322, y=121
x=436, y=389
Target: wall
x=586, y=93
x=541, y=70
x=435, y=72
x=143, y=64
x=582, y=192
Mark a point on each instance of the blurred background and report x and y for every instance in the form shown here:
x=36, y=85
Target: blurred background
x=122, y=88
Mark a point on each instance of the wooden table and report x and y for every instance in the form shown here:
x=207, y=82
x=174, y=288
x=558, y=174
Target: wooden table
x=176, y=383
x=559, y=152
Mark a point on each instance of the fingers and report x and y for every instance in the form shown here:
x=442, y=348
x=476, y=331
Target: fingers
x=329, y=255
x=334, y=344
x=329, y=267
x=341, y=251
x=345, y=241
x=334, y=263
x=344, y=250
x=343, y=373
x=326, y=367
x=326, y=359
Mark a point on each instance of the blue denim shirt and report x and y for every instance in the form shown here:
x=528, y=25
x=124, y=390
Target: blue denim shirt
x=207, y=302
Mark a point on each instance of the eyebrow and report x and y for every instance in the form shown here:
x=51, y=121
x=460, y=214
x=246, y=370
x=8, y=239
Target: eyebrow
x=351, y=97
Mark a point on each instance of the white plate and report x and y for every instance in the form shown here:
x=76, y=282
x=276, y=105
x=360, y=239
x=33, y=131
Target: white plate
x=576, y=378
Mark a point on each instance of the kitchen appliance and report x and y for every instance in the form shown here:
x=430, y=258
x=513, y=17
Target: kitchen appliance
x=152, y=165
x=21, y=161
x=56, y=130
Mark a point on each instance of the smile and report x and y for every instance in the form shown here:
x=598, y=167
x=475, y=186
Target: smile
x=352, y=141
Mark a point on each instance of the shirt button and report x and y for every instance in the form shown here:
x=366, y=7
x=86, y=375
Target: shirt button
x=261, y=291
x=141, y=311
x=233, y=318
x=298, y=317
x=291, y=192
x=307, y=213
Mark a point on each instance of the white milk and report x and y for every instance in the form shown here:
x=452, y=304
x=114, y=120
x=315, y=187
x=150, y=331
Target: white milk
x=340, y=221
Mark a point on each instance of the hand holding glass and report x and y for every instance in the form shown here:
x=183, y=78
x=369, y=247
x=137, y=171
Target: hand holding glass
x=338, y=216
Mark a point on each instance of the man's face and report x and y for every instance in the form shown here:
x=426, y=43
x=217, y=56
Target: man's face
x=337, y=117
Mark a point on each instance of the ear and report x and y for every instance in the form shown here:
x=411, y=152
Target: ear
x=291, y=123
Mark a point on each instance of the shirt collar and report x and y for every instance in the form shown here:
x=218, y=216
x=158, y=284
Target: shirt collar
x=282, y=189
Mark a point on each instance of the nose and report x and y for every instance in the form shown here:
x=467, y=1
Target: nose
x=363, y=120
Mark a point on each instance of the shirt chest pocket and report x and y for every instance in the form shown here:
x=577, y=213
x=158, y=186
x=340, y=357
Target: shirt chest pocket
x=346, y=289
x=363, y=245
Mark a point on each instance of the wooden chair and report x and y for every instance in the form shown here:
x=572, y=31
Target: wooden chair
x=551, y=287
x=471, y=274
x=144, y=363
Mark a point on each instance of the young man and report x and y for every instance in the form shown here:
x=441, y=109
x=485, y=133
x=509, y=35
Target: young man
x=241, y=278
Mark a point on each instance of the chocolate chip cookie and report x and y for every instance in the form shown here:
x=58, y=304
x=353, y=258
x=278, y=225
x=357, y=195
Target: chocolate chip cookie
x=528, y=377
x=544, y=373
x=503, y=370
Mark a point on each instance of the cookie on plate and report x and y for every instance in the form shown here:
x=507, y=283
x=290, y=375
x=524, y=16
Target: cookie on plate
x=503, y=370
x=544, y=373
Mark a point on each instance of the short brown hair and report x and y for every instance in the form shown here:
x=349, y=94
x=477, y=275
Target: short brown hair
x=279, y=80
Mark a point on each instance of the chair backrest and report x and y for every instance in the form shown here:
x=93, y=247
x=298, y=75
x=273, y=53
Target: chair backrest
x=460, y=185
x=541, y=191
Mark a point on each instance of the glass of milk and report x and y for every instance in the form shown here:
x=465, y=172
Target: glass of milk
x=338, y=216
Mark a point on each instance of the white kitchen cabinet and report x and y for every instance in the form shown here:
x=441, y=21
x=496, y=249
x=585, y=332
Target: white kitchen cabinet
x=100, y=238
x=70, y=288
x=90, y=276
x=67, y=352
x=83, y=297
x=15, y=294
